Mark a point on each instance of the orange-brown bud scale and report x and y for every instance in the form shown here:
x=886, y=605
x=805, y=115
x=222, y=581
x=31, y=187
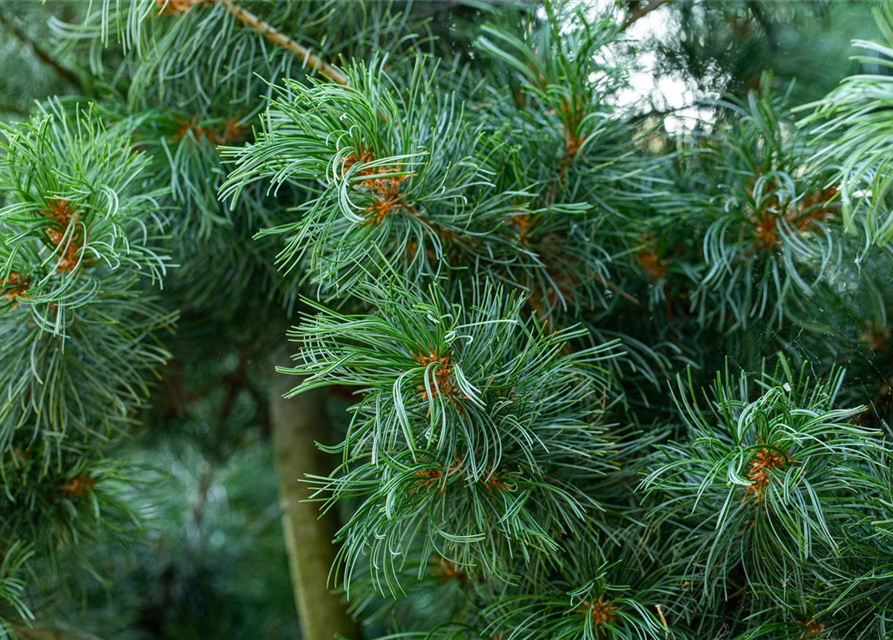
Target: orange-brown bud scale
x=811, y=628
x=649, y=259
x=78, y=486
x=64, y=214
x=492, y=482
x=810, y=211
x=446, y=571
x=524, y=223
x=441, y=375
x=16, y=286
x=875, y=337
x=230, y=131
x=427, y=478
x=174, y=7
x=600, y=612
x=760, y=472
x=386, y=188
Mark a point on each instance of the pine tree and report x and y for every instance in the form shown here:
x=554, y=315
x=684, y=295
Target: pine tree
x=558, y=367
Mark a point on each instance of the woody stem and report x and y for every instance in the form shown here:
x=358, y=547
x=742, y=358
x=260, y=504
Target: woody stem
x=278, y=38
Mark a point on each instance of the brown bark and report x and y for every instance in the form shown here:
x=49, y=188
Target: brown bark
x=297, y=425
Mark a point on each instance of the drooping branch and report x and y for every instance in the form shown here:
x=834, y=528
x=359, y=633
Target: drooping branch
x=280, y=39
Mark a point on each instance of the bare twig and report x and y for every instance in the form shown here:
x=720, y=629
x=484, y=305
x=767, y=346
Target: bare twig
x=643, y=10
x=613, y=287
x=278, y=38
x=878, y=404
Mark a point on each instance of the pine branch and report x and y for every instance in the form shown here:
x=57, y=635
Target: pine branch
x=281, y=40
x=469, y=416
x=76, y=245
x=852, y=125
x=776, y=463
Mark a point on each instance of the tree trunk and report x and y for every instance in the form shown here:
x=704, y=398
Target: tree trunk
x=297, y=424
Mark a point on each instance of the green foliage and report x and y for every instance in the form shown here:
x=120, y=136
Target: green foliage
x=549, y=95
x=769, y=486
x=398, y=174
x=471, y=425
x=854, y=125
x=78, y=240
x=766, y=242
x=560, y=79
x=607, y=592
x=29, y=67
x=806, y=42
x=12, y=586
x=77, y=325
